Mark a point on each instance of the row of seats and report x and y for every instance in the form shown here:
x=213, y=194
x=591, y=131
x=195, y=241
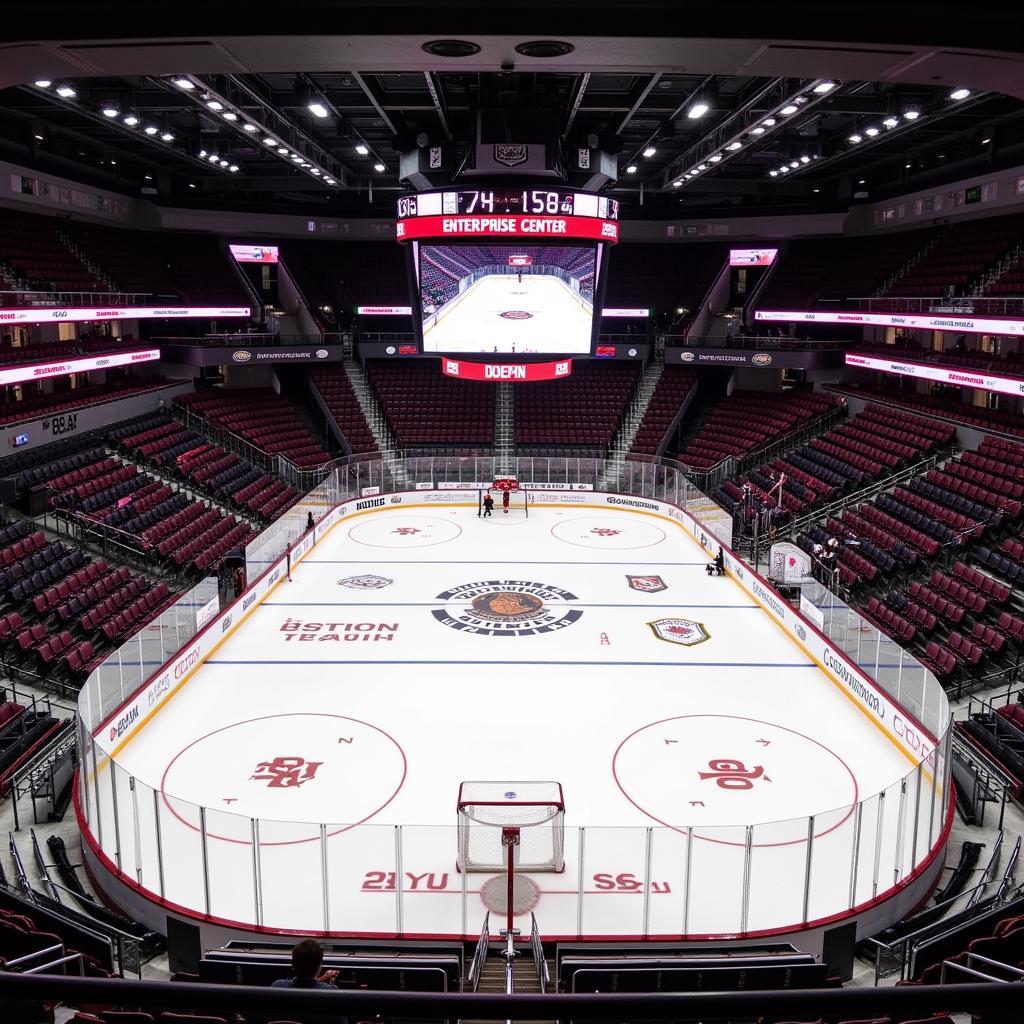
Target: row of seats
x=17, y=410
x=584, y=409
x=672, y=389
x=335, y=388
x=749, y=420
x=261, y=417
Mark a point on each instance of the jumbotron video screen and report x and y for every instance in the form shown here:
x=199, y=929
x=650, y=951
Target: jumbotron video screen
x=507, y=299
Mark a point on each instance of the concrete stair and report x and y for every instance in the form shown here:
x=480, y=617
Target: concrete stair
x=504, y=427
x=622, y=442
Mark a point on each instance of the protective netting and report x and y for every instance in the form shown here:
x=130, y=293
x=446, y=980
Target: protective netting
x=535, y=808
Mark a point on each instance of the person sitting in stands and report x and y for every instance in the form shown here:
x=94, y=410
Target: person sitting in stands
x=307, y=956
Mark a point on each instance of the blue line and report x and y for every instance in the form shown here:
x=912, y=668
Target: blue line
x=434, y=603
x=492, y=661
x=490, y=561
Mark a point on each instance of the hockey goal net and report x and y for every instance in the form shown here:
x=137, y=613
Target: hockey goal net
x=487, y=809
x=501, y=488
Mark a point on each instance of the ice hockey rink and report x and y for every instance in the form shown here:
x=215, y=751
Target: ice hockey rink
x=417, y=647
x=498, y=313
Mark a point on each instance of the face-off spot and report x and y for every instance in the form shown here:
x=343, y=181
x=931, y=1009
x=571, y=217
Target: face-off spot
x=722, y=770
x=285, y=768
x=516, y=314
x=615, y=533
x=404, y=531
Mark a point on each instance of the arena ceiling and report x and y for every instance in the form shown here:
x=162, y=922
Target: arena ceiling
x=308, y=123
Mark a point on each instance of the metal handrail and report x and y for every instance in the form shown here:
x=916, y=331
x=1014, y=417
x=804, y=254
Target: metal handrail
x=537, y=949
x=291, y=1003
x=479, y=954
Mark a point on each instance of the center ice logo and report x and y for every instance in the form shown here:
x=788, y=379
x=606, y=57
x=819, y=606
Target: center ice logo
x=506, y=608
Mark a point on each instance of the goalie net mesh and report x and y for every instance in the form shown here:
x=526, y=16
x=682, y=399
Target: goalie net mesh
x=535, y=808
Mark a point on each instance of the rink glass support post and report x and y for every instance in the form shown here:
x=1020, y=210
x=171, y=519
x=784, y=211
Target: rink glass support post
x=159, y=843
x=206, y=859
x=96, y=794
x=399, y=926
x=748, y=842
x=917, y=814
x=582, y=834
x=135, y=829
x=934, y=756
x=648, y=841
x=901, y=821
x=686, y=880
x=325, y=889
x=855, y=856
x=464, y=883
x=117, y=817
x=257, y=877
x=879, y=822
x=808, y=860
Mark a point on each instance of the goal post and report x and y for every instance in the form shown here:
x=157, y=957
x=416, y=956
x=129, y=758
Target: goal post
x=518, y=502
x=489, y=813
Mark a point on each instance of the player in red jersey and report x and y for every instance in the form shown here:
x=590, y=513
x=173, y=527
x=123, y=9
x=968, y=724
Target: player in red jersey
x=504, y=501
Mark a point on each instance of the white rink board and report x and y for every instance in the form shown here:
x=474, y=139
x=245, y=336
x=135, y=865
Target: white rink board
x=373, y=665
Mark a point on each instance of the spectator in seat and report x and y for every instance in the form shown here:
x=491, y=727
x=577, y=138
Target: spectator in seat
x=309, y=521
x=307, y=957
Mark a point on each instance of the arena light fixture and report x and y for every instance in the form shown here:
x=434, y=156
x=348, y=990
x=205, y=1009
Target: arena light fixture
x=759, y=130
x=783, y=169
x=315, y=171
x=769, y=122
x=872, y=131
x=296, y=157
x=167, y=136
x=714, y=158
x=230, y=115
x=328, y=180
x=891, y=122
x=283, y=150
x=151, y=129
x=268, y=141
x=676, y=183
x=631, y=169
x=956, y=94
x=361, y=149
x=774, y=173
x=233, y=168
x=378, y=167
x=911, y=114
x=733, y=146
x=250, y=128
x=42, y=83
x=650, y=151
x=789, y=108
x=110, y=110
x=184, y=83
x=66, y=92
x=794, y=164
x=202, y=154
x=215, y=104
x=985, y=142
x=702, y=167
x=823, y=87
x=805, y=159
x=697, y=110
x=213, y=158
x=855, y=138
x=223, y=163
x=131, y=120
x=317, y=109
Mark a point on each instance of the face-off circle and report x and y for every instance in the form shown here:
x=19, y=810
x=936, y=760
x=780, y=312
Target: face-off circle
x=516, y=314
x=725, y=770
x=397, y=530
x=286, y=770
x=506, y=608
x=615, y=533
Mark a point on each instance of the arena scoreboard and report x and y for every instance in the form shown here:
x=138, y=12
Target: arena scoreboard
x=538, y=213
